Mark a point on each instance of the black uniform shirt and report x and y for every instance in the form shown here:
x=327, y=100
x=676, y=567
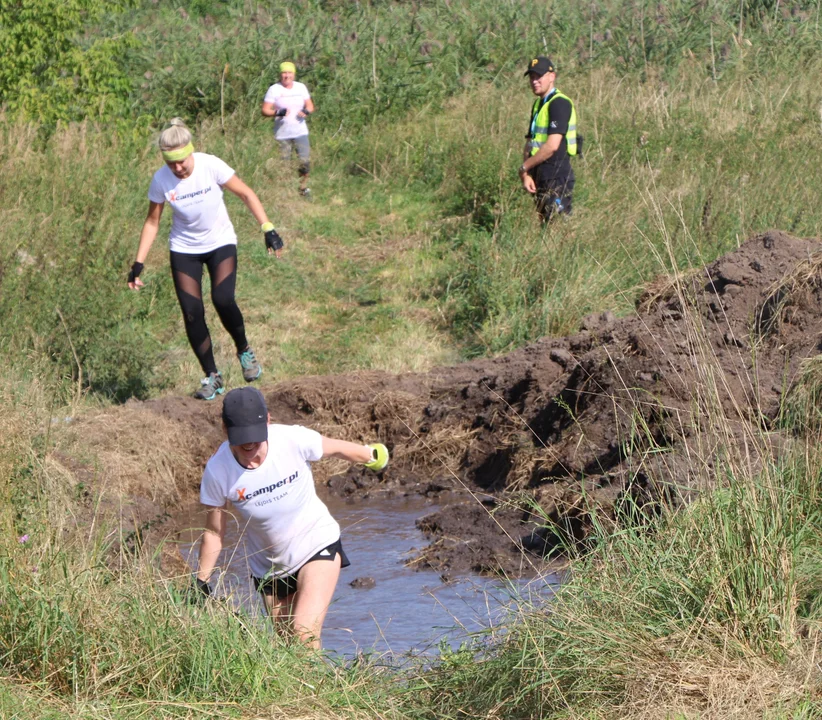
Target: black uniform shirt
x=558, y=166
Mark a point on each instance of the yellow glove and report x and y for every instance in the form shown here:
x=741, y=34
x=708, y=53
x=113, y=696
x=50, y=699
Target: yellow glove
x=379, y=457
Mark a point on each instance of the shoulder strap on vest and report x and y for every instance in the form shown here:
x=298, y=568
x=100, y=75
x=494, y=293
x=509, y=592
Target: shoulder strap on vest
x=540, y=103
x=558, y=94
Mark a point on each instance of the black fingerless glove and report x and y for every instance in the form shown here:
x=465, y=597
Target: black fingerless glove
x=135, y=271
x=273, y=240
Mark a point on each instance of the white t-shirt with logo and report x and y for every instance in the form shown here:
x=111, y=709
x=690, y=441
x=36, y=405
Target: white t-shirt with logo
x=293, y=100
x=282, y=520
x=200, y=223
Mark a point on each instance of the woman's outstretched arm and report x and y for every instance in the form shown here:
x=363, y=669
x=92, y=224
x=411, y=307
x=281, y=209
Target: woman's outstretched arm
x=353, y=452
x=147, y=236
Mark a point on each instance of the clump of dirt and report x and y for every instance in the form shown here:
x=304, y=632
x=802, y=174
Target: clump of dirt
x=519, y=450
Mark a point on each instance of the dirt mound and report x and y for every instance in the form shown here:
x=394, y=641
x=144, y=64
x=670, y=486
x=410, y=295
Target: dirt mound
x=634, y=408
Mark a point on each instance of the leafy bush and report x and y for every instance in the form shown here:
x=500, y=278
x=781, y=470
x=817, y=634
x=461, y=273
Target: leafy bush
x=50, y=72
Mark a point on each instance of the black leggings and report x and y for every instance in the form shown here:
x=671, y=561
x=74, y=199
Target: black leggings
x=187, y=271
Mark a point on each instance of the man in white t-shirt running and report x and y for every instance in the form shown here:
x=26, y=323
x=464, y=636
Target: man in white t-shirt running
x=289, y=103
x=293, y=544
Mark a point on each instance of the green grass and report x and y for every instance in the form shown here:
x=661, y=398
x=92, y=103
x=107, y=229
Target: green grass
x=343, y=285
x=419, y=250
x=76, y=629
x=436, y=244
x=687, y=619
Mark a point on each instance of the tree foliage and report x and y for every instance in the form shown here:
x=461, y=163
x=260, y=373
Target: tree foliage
x=52, y=67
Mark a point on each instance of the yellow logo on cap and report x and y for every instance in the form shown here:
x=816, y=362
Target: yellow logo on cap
x=534, y=62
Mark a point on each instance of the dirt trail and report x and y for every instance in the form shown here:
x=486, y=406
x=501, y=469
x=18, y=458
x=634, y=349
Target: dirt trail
x=635, y=407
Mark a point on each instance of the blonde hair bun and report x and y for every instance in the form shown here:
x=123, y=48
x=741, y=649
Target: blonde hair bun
x=175, y=135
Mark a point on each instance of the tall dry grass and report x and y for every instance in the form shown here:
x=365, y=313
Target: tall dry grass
x=714, y=155
x=422, y=241
x=706, y=609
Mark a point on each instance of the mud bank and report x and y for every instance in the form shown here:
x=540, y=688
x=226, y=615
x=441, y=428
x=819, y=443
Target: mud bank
x=634, y=408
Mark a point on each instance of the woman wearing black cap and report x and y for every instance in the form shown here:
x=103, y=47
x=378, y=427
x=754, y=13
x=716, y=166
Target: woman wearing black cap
x=293, y=543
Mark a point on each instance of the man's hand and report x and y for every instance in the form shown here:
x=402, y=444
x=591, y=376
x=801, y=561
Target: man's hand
x=529, y=184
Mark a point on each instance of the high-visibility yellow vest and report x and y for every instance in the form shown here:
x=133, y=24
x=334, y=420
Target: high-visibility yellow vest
x=539, y=124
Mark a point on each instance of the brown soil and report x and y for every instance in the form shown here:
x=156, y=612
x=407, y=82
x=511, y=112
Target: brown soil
x=637, y=408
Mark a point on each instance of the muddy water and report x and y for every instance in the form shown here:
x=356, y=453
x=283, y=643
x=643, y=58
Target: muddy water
x=405, y=610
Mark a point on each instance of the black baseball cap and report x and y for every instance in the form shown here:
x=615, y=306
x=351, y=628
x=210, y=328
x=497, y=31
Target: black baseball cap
x=245, y=416
x=540, y=65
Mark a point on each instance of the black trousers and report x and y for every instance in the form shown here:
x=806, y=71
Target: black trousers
x=187, y=271
x=554, y=196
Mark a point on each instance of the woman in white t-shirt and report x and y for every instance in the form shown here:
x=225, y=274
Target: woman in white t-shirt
x=201, y=234
x=293, y=544
x=289, y=103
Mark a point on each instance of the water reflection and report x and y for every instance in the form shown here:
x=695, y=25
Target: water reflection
x=406, y=610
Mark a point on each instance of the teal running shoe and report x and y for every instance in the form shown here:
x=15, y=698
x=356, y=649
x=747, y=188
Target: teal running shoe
x=210, y=387
x=251, y=367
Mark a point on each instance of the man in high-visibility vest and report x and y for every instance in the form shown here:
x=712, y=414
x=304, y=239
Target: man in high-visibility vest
x=546, y=170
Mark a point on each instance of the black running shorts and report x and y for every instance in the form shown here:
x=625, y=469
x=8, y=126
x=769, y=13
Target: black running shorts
x=283, y=586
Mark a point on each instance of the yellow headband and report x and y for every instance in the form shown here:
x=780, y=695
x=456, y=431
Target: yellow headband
x=288, y=67
x=178, y=154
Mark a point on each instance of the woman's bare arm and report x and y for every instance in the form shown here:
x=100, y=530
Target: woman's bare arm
x=353, y=452
x=212, y=542
x=249, y=197
x=147, y=236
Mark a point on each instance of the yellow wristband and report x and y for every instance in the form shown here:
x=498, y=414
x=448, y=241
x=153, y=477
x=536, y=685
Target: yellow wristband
x=266, y=226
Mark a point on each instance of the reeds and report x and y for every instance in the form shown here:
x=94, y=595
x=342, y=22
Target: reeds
x=705, y=609
x=698, y=134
